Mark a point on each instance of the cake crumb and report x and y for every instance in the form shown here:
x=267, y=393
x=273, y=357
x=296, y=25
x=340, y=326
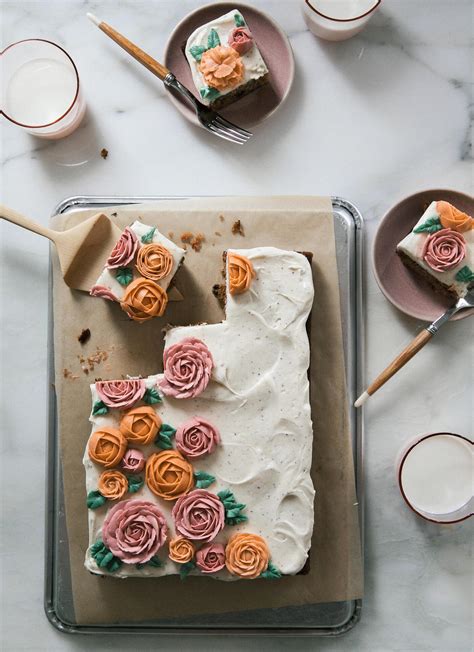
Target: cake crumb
x=104, y=153
x=238, y=228
x=170, y=235
x=196, y=243
x=187, y=236
x=217, y=233
x=67, y=373
x=84, y=336
x=222, y=218
x=114, y=214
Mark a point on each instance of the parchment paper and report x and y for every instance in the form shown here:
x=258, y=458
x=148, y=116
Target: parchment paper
x=298, y=223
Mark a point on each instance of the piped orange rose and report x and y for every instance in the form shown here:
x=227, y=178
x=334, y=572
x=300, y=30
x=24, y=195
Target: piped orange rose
x=113, y=485
x=140, y=425
x=222, y=68
x=154, y=261
x=452, y=218
x=241, y=273
x=181, y=550
x=107, y=447
x=168, y=475
x=246, y=555
x=144, y=299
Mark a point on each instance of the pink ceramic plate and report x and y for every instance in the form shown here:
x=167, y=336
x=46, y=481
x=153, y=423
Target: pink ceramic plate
x=400, y=285
x=272, y=43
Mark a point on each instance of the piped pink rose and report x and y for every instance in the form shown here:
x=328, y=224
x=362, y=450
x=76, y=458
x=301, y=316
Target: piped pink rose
x=133, y=461
x=241, y=40
x=211, y=558
x=196, y=438
x=134, y=531
x=444, y=250
x=199, y=515
x=120, y=393
x=102, y=292
x=187, y=368
x=124, y=251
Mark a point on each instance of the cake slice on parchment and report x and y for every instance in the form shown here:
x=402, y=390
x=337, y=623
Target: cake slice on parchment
x=205, y=468
x=225, y=61
x=139, y=272
x=440, y=249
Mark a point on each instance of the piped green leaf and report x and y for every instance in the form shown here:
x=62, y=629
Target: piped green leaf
x=272, y=572
x=135, y=482
x=209, y=93
x=431, y=225
x=197, y=51
x=104, y=557
x=239, y=20
x=154, y=562
x=124, y=275
x=233, y=509
x=203, y=479
x=152, y=396
x=213, y=39
x=465, y=275
x=185, y=569
x=165, y=436
x=148, y=237
x=95, y=499
x=99, y=408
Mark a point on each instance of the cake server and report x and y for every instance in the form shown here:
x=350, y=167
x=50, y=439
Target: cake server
x=82, y=250
x=209, y=119
x=416, y=345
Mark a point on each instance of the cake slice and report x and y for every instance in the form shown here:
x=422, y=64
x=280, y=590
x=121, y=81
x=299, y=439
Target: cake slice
x=225, y=61
x=440, y=249
x=139, y=272
x=204, y=469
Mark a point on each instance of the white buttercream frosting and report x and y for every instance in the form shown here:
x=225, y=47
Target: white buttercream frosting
x=258, y=399
x=108, y=279
x=254, y=65
x=412, y=246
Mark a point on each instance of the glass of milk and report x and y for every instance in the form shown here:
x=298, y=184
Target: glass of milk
x=436, y=477
x=338, y=20
x=40, y=88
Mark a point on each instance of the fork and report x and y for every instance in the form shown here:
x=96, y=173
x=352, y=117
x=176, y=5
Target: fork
x=209, y=119
x=416, y=345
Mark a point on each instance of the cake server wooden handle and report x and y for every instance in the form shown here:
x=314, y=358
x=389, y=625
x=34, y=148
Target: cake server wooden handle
x=407, y=354
x=137, y=53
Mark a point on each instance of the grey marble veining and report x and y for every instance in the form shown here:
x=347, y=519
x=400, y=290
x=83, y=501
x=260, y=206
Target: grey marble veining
x=372, y=119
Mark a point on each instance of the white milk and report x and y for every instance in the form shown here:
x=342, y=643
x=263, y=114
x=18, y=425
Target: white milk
x=438, y=473
x=40, y=91
x=339, y=9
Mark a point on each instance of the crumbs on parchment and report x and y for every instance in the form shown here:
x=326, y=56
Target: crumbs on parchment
x=88, y=363
x=170, y=235
x=85, y=336
x=194, y=240
x=222, y=218
x=104, y=153
x=217, y=233
x=67, y=373
x=238, y=228
x=114, y=214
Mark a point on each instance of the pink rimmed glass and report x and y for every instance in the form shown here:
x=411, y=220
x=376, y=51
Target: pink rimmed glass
x=435, y=475
x=338, y=20
x=40, y=88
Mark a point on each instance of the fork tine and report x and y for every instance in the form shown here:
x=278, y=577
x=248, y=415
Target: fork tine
x=239, y=130
x=222, y=134
x=236, y=137
x=226, y=127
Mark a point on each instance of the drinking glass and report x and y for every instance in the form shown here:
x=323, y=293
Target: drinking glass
x=40, y=88
x=338, y=20
x=435, y=474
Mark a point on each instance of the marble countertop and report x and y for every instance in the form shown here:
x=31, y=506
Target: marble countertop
x=371, y=119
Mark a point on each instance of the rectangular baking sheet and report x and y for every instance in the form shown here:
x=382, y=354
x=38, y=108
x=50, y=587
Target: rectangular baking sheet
x=321, y=619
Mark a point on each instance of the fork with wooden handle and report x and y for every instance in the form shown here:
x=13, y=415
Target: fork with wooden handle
x=412, y=349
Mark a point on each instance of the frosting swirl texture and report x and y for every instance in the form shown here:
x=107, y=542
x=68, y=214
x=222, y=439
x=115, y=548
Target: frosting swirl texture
x=124, y=251
x=187, y=368
x=144, y=299
x=168, y=475
x=120, y=393
x=154, y=261
x=134, y=531
x=452, y=218
x=241, y=273
x=107, y=447
x=199, y=515
x=196, y=438
x=102, y=292
x=133, y=461
x=444, y=249
x=241, y=40
x=181, y=550
x=211, y=558
x=246, y=555
x=222, y=68
x=113, y=485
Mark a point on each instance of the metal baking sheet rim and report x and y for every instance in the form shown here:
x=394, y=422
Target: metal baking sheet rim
x=346, y=210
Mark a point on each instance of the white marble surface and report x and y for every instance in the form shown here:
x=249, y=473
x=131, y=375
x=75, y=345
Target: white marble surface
x=371, y=119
